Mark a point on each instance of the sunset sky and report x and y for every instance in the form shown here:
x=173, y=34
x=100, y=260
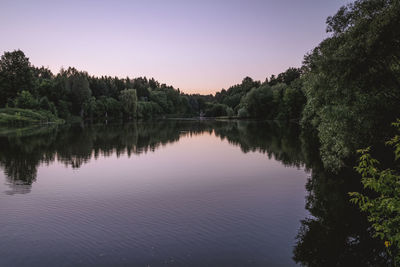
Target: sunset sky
x=197, y=46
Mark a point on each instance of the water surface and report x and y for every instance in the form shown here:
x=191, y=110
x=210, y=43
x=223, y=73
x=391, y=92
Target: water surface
x=166, y=193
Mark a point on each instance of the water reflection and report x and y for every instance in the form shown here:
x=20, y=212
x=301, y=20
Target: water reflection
x=23, y=150
x=336, y=233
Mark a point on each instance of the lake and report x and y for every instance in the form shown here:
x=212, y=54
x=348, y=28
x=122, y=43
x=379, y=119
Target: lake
x=175, y=193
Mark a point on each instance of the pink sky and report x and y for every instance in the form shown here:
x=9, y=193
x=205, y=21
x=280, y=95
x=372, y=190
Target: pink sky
x=197, y=46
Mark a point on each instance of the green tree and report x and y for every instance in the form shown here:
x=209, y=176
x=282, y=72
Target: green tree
x=352, y=79
x=15, y=75
x=216, y=110
x=258, y=102
x=90, y=106
x=293, y=101
x=383, y=208
x=25, y=100
x=129, y=102
x=75, y=85
x=80, y=91
x=148, y=109
x=288, y=76
x=45, y=104
x=243, y=113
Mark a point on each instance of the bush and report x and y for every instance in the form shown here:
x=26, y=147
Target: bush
x=230, y=112
x=45, y=104
x=259, y=102
x=216, y=110
x=148, y=109
x=383, y=208
x=64, y=109
x=26, y=100
x=243, y=113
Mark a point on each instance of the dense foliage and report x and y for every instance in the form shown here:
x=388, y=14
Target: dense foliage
x=75, y=93
x=352, y=86
x=352, y=79
x=72, y=93
x=383, y=207
x=279, y=98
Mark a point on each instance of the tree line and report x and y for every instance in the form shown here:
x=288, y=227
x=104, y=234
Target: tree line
x=73, y=93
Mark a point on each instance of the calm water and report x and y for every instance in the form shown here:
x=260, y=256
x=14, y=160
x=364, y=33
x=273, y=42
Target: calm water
x=166, y=193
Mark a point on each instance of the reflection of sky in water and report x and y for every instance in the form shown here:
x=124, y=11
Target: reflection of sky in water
x=199, y=200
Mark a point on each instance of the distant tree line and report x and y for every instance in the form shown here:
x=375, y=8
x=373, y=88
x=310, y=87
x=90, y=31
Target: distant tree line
x=278, y=98
x=75, y=93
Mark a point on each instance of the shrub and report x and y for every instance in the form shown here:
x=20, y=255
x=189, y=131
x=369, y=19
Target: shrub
x=243, y=113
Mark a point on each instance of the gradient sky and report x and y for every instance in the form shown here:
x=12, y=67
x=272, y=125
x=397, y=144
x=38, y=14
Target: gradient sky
x=197, y=46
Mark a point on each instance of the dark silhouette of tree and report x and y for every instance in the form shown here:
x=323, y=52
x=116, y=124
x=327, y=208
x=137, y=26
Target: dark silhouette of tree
x=15, y=75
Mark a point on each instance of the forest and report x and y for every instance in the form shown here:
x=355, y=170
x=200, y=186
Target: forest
x=73, y=94
x=346, y=93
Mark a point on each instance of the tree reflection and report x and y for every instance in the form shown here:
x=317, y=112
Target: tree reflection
x=23, y=150
x=335, y=233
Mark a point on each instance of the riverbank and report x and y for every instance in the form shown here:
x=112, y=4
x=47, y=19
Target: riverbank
x=17, y=116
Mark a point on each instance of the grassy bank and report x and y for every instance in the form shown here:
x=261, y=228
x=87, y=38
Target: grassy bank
x=17, y=116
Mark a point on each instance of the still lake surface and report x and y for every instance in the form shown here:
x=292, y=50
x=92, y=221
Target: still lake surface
x=162, y=193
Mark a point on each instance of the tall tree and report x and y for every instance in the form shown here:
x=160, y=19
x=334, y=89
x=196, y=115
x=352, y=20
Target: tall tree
x=15, y=75
x=77, y=84
x=128, y=98
x=352, y=78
